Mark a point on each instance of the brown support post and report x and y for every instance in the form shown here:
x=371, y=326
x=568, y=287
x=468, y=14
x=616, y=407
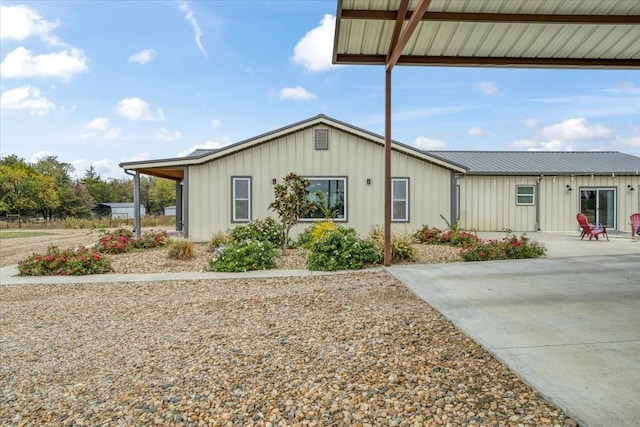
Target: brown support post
x=387, y=169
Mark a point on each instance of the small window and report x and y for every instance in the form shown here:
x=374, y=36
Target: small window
x=525, y=195
x=240, y=199
x=322, y=139
x=400, y=199
x=333, y=193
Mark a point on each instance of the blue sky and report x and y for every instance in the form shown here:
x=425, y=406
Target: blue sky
x=101, y=82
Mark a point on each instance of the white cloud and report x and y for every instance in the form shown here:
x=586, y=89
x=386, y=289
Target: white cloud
x=99, y=123
x=64, y=64
x=137, y=157
x=26, y=98
x=526, y=144
x=165, y=135
x=624, y=88
x=215, y=123
x=19, y=22
x=113, y=133
x=138, y=109
x=314, y=51
x=39, y=155
x=144, y=56
x=632, y=141
x=296, y=93
x=530, y=123
x=424, y=143
x=209, y=145
x=103, y=167
x=477, y=131
x=487, y=88
x=190, y=17
x=575, y=129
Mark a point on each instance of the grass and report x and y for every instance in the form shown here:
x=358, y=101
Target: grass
x=18, y=234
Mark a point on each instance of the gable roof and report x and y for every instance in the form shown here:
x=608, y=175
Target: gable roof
x=173, y=168
x=513, y=33
x=544, y=162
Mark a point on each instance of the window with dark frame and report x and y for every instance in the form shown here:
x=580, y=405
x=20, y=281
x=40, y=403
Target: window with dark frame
x=241, y=199
x=334, y=193
x=321, y=137
x=400, y=199
x=525, y=195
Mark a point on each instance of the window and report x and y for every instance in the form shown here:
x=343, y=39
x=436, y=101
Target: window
x=321, y=139
x=400, y=199
x=240, y=199
x=334, y=193
x=525, y=195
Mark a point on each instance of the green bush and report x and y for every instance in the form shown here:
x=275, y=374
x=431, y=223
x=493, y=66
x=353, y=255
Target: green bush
x=266, y=230
x=401, y=243
x=511, y=247
x=70, y=262
x=341, y=249
x=244, y=255
x=181, y=249
x=151, y=239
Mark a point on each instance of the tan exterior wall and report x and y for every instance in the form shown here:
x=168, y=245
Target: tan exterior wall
x=350, y=156
x=488, y=203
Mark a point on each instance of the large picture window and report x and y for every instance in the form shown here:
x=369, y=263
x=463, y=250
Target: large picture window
x=400, y=199
x=241, y=199
x=330, y=197
x=525, y=195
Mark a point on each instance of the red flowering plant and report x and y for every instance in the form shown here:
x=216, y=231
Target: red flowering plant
x=510, y=247
x=121, y=241
x=70, y=262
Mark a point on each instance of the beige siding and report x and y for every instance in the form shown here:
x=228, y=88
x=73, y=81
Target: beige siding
x=488, y=203
x=348, y=156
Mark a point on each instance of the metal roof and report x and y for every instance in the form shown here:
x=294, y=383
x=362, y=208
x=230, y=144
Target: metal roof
x=544, y=162
x=503, y=33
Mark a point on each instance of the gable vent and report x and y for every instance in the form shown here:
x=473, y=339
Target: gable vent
x=322, y=139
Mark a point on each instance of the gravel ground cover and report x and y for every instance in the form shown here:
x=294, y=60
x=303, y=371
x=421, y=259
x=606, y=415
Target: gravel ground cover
x=341, y=350
x=352, y=349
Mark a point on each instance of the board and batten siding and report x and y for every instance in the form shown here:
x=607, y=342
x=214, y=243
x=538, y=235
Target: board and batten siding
x=488, y=203
x=348, y=156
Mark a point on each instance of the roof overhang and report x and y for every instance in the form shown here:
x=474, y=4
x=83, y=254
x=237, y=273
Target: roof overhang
x=514, y=33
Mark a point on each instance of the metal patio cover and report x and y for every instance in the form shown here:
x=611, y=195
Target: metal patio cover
x=502, y=33
x=483, y=33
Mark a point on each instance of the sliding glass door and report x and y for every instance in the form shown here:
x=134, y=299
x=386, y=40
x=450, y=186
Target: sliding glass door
x=599, y=205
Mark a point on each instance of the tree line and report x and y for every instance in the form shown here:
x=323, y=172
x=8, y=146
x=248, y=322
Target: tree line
x=47, y=189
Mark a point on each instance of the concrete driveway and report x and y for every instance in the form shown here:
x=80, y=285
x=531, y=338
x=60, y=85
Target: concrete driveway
x=568, y=325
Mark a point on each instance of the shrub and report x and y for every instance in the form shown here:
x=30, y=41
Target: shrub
x=401, y=243
x=151, y=239
x=266, y=230
x=219, y=239
x=341, y=249
x=428, y=236
x=245, y=255
x=70, y=262
x=321, y=229
x=510, y=247
x=181, y=249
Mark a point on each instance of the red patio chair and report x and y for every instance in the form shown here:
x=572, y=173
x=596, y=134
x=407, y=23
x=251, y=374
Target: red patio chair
x=635, y=224
x=590, y=229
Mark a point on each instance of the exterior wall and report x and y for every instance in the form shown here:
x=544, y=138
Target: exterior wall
x=348, y=156
x=488, y=203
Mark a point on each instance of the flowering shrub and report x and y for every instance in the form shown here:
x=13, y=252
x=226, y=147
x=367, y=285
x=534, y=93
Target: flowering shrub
x=510, y=247
x=428, y=236
x=341, y=249
x=266, y=230
x=321, y=229
x=70, y=262
x=245, y=255
x=452, y=236
x=120, y=241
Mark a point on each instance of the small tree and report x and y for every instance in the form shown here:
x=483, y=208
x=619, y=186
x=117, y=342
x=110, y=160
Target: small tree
x=291, y=203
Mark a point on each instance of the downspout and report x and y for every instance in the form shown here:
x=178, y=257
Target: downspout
x=538, y=202
x=137, y=228
x=454, y=199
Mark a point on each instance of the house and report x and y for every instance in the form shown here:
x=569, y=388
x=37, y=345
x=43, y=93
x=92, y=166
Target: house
x=486, y=191
x=219, y=189
x=170, y=211
x=116, y=210
x=543, y=191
